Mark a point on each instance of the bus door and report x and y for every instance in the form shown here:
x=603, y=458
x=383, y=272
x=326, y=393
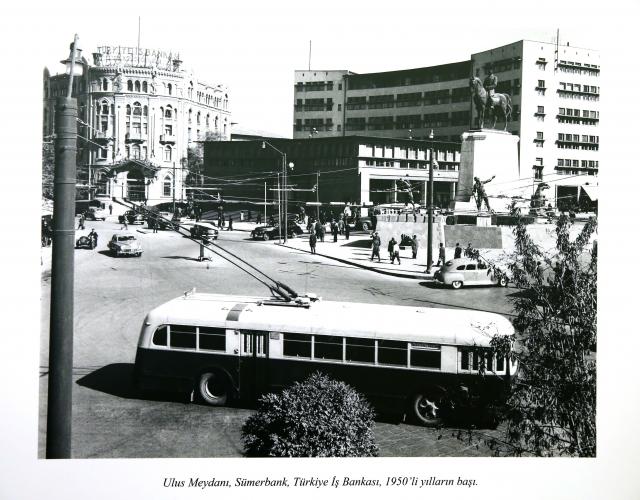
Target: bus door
x=253, y=362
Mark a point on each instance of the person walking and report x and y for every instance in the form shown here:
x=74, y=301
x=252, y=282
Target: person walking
x=390, y=248
x=110, y=209
x=81, y=222
x=396, y=251
x=312, y=242
x=230, y=227
x=124, y=223
x=341, y=226
x=322, y=232
x=93, y=236
x=347, y=231
x=414, y=246
x=156, y=223
x=457, y=253
x=441, y=255
x=376, y=246
x=334, y=231
x=468, y=252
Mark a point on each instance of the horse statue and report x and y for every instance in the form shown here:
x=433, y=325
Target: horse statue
x=500, y=104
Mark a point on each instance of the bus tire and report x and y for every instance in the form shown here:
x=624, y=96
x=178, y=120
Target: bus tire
x=427, y=408
x=213, y=388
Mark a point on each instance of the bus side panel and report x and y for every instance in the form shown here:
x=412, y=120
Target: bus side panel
x=174, y=370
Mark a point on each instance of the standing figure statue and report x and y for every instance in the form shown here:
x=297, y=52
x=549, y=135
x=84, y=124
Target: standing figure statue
x=490, y=102
x=480, y=194
x=408, y=188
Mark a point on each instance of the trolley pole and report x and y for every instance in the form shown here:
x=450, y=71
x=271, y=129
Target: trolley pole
x=62, y=274
x=430, y=207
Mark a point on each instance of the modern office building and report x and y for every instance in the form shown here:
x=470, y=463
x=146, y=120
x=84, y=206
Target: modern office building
x=555, y=91
x=359, y=170
x=139, y=112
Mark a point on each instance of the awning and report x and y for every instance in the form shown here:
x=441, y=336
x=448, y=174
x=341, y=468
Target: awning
x=592, y=192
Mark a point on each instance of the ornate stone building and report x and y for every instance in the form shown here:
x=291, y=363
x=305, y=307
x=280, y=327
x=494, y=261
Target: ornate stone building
x=139, y=112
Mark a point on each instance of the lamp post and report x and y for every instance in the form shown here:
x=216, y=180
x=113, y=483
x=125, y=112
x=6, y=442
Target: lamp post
x=62, y=269
x=430, y=206
x=284, y=186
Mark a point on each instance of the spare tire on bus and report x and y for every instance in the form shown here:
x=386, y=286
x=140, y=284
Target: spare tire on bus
x=428, y=407
x=213, y=388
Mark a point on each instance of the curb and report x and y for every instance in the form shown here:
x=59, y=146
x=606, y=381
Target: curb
x=426, y=277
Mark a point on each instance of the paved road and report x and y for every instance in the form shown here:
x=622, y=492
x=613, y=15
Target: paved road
x=113, y=295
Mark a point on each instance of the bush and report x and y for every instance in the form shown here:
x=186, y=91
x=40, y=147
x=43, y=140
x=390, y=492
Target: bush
x=319, y=417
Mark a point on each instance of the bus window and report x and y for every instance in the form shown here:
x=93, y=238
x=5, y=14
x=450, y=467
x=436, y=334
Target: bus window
x=500, y=365
x=425, y=356
x=182, y=337
x=160, y=336
x=212, y=339
x=392, y=352
x=327, y=347
x=360, y=350
x=297, y=345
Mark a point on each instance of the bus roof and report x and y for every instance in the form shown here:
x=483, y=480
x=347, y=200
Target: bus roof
x=413, y=324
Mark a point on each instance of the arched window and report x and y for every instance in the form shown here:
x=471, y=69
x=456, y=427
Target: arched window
x=216, y=123
x=137, y=109
x=137, y=85
x=105, y=84
x=145, y=111
x=169, y=89
x=208, y=120
x=167, y=186
x=144, y=87
x=168, y=113
x=128, y=109
x=167, y=153
x=129, y=85
x=104, y=108
x=198, y=118
x=135, y=151
x=190, y=113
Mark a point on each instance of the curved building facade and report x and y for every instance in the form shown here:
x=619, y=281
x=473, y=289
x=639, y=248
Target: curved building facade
x=139, y=112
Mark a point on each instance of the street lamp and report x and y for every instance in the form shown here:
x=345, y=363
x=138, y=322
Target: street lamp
x=284, y=187
x=62, y=269
x=430, y=206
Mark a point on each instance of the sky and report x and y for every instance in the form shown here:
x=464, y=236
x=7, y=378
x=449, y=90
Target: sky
x=255, y=47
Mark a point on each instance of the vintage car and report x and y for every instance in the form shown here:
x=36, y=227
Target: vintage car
x=132, y=217
x=125, y=244
x=271, y=232
x=464, y=271
x=95, y=213
x=204, y=231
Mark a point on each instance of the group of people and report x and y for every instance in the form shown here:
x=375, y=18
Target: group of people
x=317, y=231
x=393, y=247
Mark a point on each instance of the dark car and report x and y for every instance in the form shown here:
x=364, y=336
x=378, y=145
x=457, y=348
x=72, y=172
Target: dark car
x=272, y=232
x=360, y=223
x=203, y=231
x=132, y=217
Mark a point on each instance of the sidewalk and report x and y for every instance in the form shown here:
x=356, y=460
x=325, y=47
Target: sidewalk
x=357, y=252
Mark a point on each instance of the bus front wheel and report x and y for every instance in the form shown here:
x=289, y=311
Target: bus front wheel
x=427, y=408
x=213, y=389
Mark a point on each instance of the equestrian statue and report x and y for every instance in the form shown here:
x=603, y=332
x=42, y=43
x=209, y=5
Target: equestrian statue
x=487, y=101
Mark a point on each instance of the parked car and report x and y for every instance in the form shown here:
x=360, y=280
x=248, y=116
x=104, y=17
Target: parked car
x=163, y=220
x=85, y=241
x=95, y=213
x=204, y=231
x=125, y=244
x=132, y=216
x=271, y=232
x=361, y=223
x=467, y=272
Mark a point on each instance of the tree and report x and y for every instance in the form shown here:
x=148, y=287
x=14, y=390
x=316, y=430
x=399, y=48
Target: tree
x=552, y=407
x=318, y=417
x=48, y=166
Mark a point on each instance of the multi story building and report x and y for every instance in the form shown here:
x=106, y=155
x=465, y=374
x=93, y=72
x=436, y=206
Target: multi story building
x=139, y=112
x=554, y=89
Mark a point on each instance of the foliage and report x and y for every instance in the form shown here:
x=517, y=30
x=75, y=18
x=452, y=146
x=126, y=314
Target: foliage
x=552, y=407
x=48, y=163
x=318, y=417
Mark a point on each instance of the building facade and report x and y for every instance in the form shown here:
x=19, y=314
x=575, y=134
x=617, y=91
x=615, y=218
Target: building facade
x=554, y=89
x=139, y=112
x=359, y=170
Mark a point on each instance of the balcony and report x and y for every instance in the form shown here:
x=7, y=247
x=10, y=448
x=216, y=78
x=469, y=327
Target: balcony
x=103, y=136
x=167, y=138
x=134, y=137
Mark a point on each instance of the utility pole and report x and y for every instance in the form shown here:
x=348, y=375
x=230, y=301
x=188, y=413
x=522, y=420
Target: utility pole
x=318, y=195
x=62, y=274
x=265, y=202
x=284, y=195
x=173, y=190
x=279, y=213
x=430, y=206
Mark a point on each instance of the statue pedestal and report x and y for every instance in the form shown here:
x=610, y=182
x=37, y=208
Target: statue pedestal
x=483, y=220
x=486, y=153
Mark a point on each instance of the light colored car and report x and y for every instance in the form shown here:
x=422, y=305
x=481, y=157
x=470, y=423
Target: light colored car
x=125, y=244
x=95, y=213
x=466, y=272
x=204, y=231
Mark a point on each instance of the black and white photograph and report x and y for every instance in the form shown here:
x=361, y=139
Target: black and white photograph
x=337, y=248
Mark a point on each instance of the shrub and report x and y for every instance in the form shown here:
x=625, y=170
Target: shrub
x=318, y=417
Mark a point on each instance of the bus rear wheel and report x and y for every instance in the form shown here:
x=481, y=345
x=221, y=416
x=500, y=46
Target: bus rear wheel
x=213, y=389
x=427, y=409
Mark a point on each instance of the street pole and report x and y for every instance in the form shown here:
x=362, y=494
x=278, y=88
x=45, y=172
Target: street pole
x=318, y=195
x=284, y=195
x=265, y=202
x=173, y=190
x=279, y=213
x=62, y=275
x=430, y=207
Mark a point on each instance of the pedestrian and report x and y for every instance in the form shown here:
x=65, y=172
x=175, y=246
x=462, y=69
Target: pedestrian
x=396, y=252
x=376, y=246
x=156, y=223
x=539, y=271
x=93, y=236
x=110, y=209
x=312, y=242
x=334, y=230
x=468, y=252
x=341, y=226
x=259, y=219
x=249, y=214
x=81, y=222
x=230, y=228
x=390, y=248
x=457, y=253
x=124, y=223
x=414, y=246
x=347, y=231
x=441, y=255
